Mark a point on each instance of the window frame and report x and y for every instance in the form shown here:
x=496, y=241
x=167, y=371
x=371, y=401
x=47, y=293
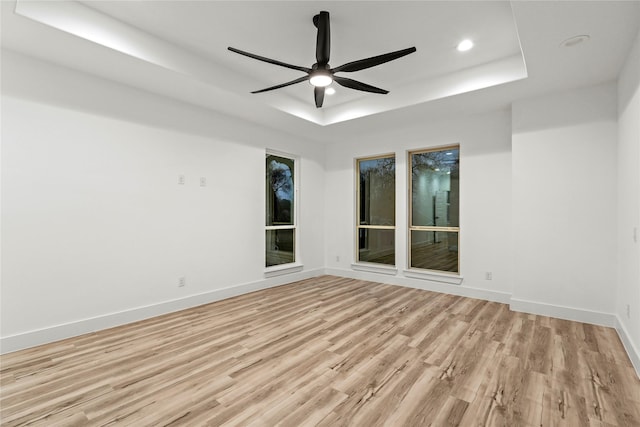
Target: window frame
x=359, y=227
x=296, y=265
x=411, y=227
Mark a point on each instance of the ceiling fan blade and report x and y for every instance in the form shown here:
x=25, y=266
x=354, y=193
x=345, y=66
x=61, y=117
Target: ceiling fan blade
x=318, y=94
x=323, y=41
x=269, y=60
x=373, y=61
x=292, y=82
x=353, y=84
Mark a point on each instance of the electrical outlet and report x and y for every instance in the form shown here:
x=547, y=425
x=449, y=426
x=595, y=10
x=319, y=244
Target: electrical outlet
x=337, y=258
x=181, y=179
x=203, y=181
x=628, y=311
x=488, y=275
x=182, y=282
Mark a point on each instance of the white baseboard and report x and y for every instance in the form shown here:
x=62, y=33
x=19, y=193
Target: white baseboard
x=629, y=346
x=59, y=332
x=562, y=312
x=515, y=304
x=584, y=316
x=427, y=285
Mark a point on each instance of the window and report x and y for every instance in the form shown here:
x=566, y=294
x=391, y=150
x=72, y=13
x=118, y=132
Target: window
x=434, y=225
x=376, y=192
x=281, y=210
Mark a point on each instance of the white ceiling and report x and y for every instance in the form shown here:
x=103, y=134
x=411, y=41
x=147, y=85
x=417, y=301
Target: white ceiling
x=179, y=49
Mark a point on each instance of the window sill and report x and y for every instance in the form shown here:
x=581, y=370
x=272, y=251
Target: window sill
x=373, y=268
x=452, y=279
x=279, y=270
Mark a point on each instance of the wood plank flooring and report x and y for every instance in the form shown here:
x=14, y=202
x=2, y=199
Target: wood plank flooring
x=329, y=352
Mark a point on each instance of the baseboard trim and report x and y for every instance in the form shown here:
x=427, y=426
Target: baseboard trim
x=629, y=346
x=515, y=304
x=424, y=284
x=563, y=312
x=59, y=332
x=55, y=333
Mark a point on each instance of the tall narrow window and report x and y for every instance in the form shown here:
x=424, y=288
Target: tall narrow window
x=376, y=222
x=281, y=212
x=434, y=224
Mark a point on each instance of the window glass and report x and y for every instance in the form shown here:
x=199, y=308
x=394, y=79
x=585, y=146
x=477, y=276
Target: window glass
x=377, y=246
x=377, y=191
x=280, y=247
x=434, y=250
x=434, y=209
x=280, y=192
x=435, y=182
x=376, y=210
x=280, y=211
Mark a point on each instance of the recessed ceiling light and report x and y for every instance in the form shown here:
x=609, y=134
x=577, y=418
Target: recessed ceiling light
x=329, y=91
x=465, y=45
x=575, y=40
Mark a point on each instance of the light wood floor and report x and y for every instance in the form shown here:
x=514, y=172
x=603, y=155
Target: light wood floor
x=331, y=352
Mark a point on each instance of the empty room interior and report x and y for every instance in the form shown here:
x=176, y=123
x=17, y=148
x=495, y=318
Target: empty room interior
x=300, y=213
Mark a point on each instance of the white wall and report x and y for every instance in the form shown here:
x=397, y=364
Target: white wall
x=96, y=229
x=544, y=225
x=629, y=203
x=564, y=204
x=485, y=164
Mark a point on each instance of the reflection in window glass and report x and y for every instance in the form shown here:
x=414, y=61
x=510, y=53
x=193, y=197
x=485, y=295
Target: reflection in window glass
x=376, y=210
x=434, y=250
x=434, y=207
x=377, y=246
x=435, y=182
x=280, y=210
x=280, y=247
x=377, y=191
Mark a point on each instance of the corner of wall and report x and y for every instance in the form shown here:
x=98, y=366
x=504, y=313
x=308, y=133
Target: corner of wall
x=629, y=346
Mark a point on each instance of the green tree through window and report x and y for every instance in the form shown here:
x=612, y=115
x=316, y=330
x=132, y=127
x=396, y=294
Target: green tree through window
x=280, y=210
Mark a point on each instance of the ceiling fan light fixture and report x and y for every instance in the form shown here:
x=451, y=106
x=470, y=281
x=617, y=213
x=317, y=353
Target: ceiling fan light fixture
x=329, y=91
x=321, y=79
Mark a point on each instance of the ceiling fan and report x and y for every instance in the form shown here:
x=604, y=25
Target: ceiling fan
x=321, y=74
